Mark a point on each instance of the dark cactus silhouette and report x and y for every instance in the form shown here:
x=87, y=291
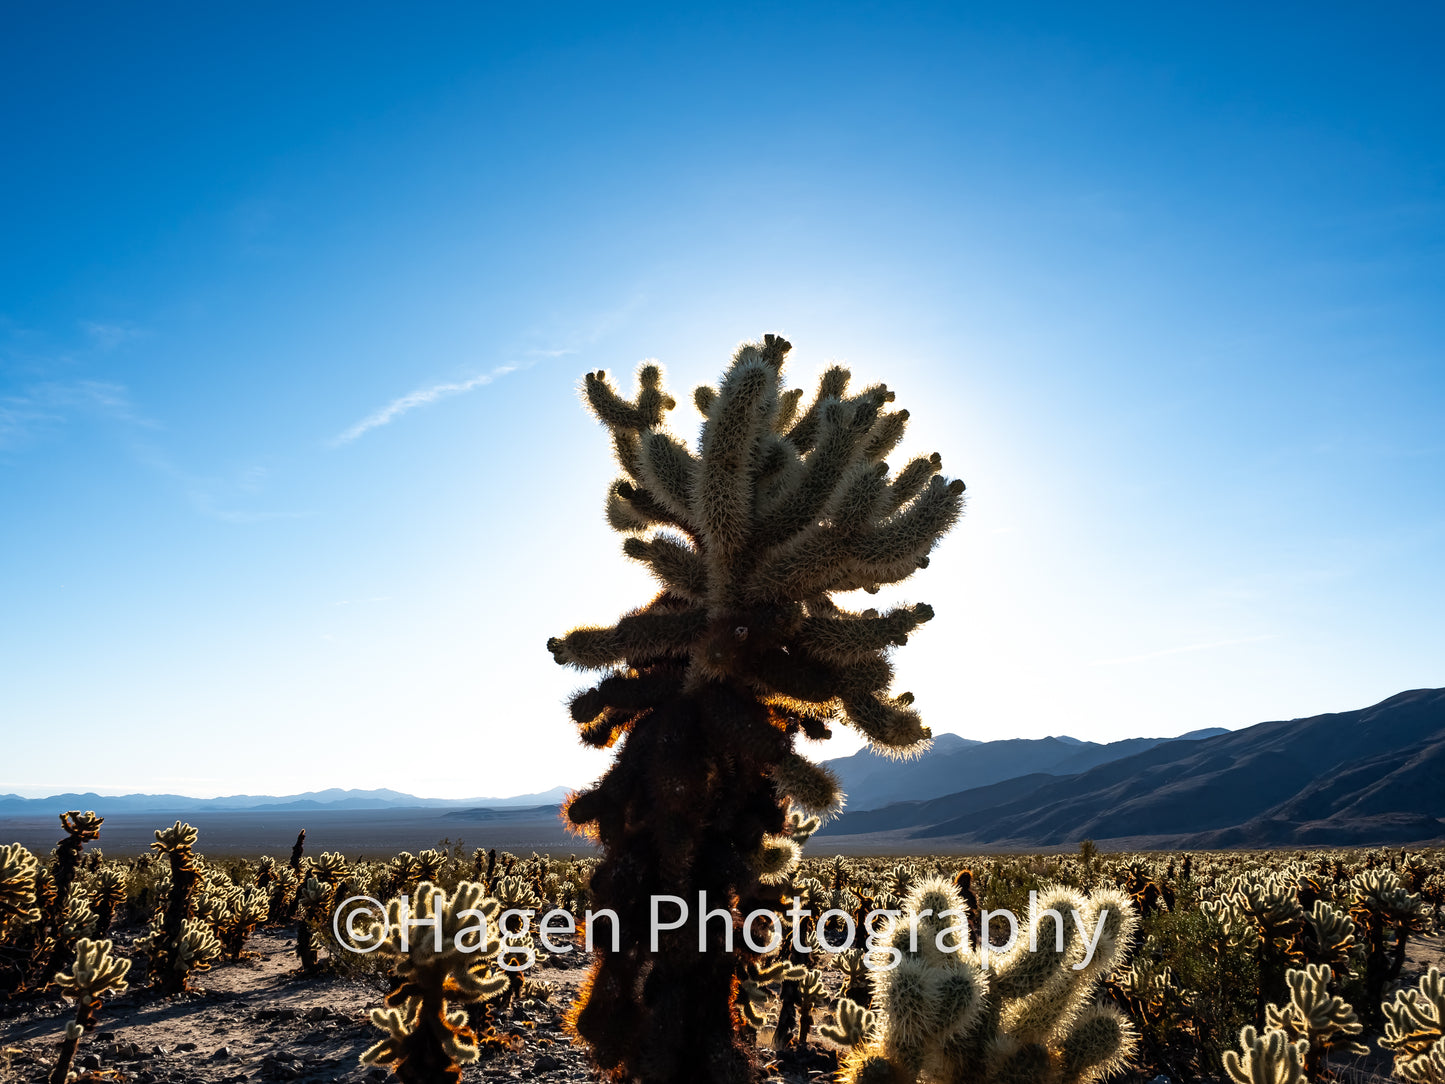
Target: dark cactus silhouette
x=708, y=685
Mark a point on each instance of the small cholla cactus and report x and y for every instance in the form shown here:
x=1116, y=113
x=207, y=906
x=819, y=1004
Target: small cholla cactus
x=94, y=974
x=951, y=1014
x=80, y=829
x=1271, y=1058
x=1386, y=916
x=1262, y=912
x=854, y=965
x=330, y=868
x=1323, y=1020
x=428, y=1039
x=405, y=873
x=429, y=864
x=280, y=884
x=70, y=916
x=1415, y=1030
x=233, y=913
x=853, y=1024
x=1147, y=990
x=107, y=893
x=18, y=873
x=516, y=893
x=754, y=994
x=1329, y=936
x=314, y=907
x=178, y=943
x=810, y=995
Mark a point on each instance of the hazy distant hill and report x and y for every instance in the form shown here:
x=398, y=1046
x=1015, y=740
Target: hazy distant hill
x=318, y=799
x=1375, y=775
x=953, y=764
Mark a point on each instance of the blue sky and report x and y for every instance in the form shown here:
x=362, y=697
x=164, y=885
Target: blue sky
x=295, y=482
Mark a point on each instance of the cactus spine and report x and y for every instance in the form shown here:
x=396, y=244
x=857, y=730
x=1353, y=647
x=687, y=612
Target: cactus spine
x=707, y=686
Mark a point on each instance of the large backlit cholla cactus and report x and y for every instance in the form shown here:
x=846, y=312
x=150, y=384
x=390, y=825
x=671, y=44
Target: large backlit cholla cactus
x=428, y=1039
x=950, y=1015
x=708, y=685
x=1415, y=1030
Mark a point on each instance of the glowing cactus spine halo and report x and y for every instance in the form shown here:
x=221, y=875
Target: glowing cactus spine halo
x=779, y=506
x=950, y=1014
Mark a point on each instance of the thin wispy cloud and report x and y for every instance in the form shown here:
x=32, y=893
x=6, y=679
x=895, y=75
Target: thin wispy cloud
x=107, y=336
x=421, y=397
x=600, y=328
x=1184, y=650
x=44, y=406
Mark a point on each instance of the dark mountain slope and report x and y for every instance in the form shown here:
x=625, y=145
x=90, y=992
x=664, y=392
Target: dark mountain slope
x=871, y=780
x=1378, y=770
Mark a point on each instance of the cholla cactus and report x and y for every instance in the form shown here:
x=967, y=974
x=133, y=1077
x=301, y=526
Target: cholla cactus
x=1323, y=1020
x=18, y=873
x=708, y=685
x=1415, y=1030
x=233, y=913
x=853, y=963
x=94, y=974
x=516, y=893
x=1271, y=1058
x=196, y=949
x=853, y=1024
x=754, y=994
x=810, y=995
x=1262, y=912
x=69, y=915
x=80, y=829
x=108, y=892
x=1027, y=1015
x=177, y=942
x=428, y=1039
x=1387, y=915
x=429, y=864
x=280, y=884
x=1147, y=990
x=314, y=900
x=1329, y=936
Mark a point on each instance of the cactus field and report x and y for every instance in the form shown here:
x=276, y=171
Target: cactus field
x=1224, y=966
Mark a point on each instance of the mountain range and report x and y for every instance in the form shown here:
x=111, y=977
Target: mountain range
x=953, y=764
x=334, y=798
x=1374, y=775
x=1371, y=776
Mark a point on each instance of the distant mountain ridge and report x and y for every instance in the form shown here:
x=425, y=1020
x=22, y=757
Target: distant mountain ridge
x=1375, y=775
x=872, y=780
x=334, y=798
